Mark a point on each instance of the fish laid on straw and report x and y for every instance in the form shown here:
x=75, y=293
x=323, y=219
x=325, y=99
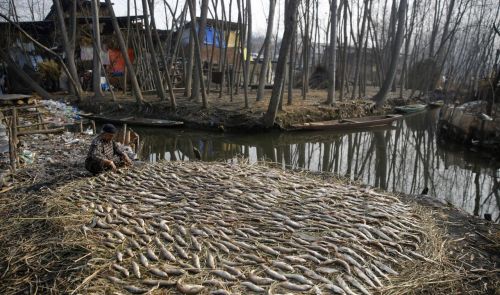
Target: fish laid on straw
x=196, y=228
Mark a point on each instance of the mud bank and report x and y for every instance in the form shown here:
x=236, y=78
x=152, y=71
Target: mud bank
x=226, y=115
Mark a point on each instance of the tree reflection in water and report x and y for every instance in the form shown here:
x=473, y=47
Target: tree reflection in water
x=405, y=158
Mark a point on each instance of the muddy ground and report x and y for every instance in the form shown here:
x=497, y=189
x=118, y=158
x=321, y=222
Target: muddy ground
x=224, y=114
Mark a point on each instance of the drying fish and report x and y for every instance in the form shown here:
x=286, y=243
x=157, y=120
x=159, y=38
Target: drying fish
x=116, y=280
x=174, y=271
x=119, y=256
x=275, y=275
x=181, y=252
x=335, y=289
x=159, y=283
x=210, y=261
x=385, y=268
x=260, y=280
x=294, y=287
x=253, y=287
x=121, y=269
x=219, y=292
x=295, y=259
x=224, y=274
x=189, y=289
x=282, y=265
x=344, y=286
x=158, y=272
x=234, y=271
x=136, y=270
x=151, y=255
x=135, y=290
x=357, y=284
x=364, y=277
x=144, y=261
x=228, y=227
x=299, y=278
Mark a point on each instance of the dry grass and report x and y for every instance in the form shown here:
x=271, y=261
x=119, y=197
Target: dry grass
x=441, y=273
x=44, y=251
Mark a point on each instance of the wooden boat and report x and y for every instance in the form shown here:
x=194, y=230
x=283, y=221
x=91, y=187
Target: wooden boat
x=436, y=104
x=134, y=121
x=411, y=108
x=347, y=124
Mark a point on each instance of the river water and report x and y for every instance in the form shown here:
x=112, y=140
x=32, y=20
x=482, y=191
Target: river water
x=405, y=158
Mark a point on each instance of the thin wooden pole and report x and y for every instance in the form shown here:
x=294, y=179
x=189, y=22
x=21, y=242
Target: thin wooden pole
x=124, y=133
x=12, y=146
x=14, y=134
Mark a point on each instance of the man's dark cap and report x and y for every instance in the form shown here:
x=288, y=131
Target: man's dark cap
x=109, y=128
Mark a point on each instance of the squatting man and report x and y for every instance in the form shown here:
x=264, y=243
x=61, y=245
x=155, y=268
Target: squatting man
x=104, y=153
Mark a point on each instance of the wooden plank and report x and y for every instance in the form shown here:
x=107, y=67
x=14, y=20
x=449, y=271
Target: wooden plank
x=55, y=130
x=40, y=118
x=348, y=121
x=13, y=97
x=32, y=125
x=12, y=152
x=19, y=107
x=13, y=141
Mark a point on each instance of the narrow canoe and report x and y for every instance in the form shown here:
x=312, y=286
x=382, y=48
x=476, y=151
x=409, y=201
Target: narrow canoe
x=135, y=121
x=436, y=104
x=347, y=124
x=411, y=108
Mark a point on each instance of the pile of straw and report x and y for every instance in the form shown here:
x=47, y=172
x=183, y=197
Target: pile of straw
x=442, y=273
x=42, y=250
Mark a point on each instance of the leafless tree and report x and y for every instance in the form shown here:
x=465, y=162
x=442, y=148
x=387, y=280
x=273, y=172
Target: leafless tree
x=267, y=50
x=286, y=44
x=391, y=73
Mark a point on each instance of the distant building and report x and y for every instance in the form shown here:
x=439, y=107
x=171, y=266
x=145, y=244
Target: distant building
x=29, y=56
x=221, y=45
x=220, y=37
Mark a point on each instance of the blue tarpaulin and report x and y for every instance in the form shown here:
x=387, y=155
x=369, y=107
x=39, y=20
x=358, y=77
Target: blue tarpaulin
x=211, y=36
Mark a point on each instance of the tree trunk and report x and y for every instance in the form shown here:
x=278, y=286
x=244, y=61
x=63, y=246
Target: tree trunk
x=267, y=50
x=190, y=64
x=246, y=69
x=286, y=43
x=359, y=50
x=379, y=98
x=160, y=91
x=201, y=40
x=96, y=72
x=223, y=49
x=333, y=53
x=291, y=66
x=124, y=51
x=69, y=50
x=197, y=52
x=306, y=52
x=173, y=103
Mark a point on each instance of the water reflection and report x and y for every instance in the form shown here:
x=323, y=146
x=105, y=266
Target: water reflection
x=405, y=158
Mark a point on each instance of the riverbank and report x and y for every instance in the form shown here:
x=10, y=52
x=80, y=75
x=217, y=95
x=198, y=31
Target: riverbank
x=469, y=125
x=55, y=233
x=224, y=114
